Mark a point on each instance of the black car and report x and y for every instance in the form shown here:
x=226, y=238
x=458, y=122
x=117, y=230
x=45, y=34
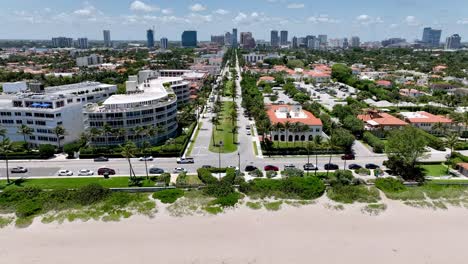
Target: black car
x=354, y=167
x=249, y=168
x=207, y=166
x=101, y=159
x=372, y=166
x=330, y=166
x=156, y=171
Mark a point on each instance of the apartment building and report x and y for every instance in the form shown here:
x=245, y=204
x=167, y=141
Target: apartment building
x=426, y=121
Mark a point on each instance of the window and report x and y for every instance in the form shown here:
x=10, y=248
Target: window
x=40, y=123
x=19, y=121
x=18, y=114
x=29, y=122
x=5, y=113
x=32, y=137
x=58, y=115
x=28, y=114
x=59, y=123
x=7, y=121
x=69, y=101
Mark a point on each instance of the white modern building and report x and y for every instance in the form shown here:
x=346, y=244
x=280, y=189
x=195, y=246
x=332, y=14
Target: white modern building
x=150, y=102
x=90, y=60
x=57, y=106
x=253, y=57
x=14, y=87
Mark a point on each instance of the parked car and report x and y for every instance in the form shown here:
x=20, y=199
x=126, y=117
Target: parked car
x=64, y=173
x=146, y=158
x=156, y=171
x=185, y=160
x=101, y=159
x=271, y=168
x=207, y=166
x=372, y=166
x=354, y=166
x=250, y=168
x=289, y=166
x=179, y=170
x=85, y=172
x=331, y=166
x=19, y=170
x=309, y=167
x=348, y=156
x=233, y=167
x=248, y=133
x=109, y=171
x=247, y=127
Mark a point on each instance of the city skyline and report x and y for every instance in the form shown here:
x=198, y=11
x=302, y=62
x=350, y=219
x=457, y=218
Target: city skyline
x=128, y=20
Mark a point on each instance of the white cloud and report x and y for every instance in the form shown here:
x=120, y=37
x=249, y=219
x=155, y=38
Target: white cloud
x=258, y=18
x=322, y=19
x=140, y=6
x=198, y=18
x=463, y=21
x=368, y=20
x=296, y=6
x=411, y=21
x=393, y=25
x=221, y=12
x=167, y=11
x=197, y=8
x=87, y=11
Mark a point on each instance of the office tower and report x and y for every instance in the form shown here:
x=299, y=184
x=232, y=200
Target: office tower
x=294, y=43
x=62, y=42
x=107, y=38
x=243, y=36
x=323, y=39
x=355, y=42
x=218, y=39
x=274, y=39
x=284, y=37
x=228, y=39
x=392, y=41
x=189, y=38
x=234, y=37
x=246, y=40
x=150, y=38
x=431, y=37
x=82, y=43
x=313, y=43
x=164, y=43
x=453, y=42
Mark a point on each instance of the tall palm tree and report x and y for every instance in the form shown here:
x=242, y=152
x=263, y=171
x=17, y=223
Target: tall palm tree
x=59, y=131
x=294, y=130
x=25, y=131
x=83, y=139
x=278, y=126
x=3, y=132
x=440, y=128
x=139, y=131
x=331, y=144
x=450, y=141
x=128, y=152
x=317, y=143
x=94, y=133
x=106, y=132
x=233, y=116
x=287, y=128
x=5, y=148
x=145, y=147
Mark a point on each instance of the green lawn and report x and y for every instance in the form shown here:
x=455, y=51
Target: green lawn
x=193, y=180
x=255, y=148
x=189, y=151
x=434, y=169
x=227, y=91
x=69, y=183
x=224, y=131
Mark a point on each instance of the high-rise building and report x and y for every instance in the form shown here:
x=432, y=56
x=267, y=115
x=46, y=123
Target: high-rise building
x=313, y=43
x=431, y=37
x=164, y=43
x=107, y=38
x=243, y=36
x=246, y=40
x=82, y=43
x=392, y=41
x=218, y=39
x=234, y=37
x=189, y=38
x=284, y=37
x=355, y=42
x=228, y=39
x=453, y=42
x=294, y=43
x=345, y=43
x=62, y=42
x=323, y=39
x=274, y=39
x=150, y=38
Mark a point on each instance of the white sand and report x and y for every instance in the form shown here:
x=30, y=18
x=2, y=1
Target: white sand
x=309, y=234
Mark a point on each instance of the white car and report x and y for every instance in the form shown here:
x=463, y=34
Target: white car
x=85, y=172
x=179, y=170
x=150, y=158
x=65, y=173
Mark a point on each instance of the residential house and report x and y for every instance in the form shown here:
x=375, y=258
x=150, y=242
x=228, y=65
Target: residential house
x=426, y=121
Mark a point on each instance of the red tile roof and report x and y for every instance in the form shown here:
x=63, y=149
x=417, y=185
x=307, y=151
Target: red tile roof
x=429, y=118
x=383, y=119
x=463, y=165
x=384, y=83
x=311, y=120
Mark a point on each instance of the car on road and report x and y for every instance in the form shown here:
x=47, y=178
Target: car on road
x=155, y=171
x=179, y=170
x=85, y=172
x=64, y=173
x=185, y=160
x=348, y=156
x=372, y=166
x=250, y=168
x=150, y=158
x=248, y=133
x=309, y=167
x=354, y=166
x=102, y=171
x=101, y=159
x=289, y=166
x=247, y=127
x=19, y=169
x=331, y=166
x=271, y=168
x=207, y=166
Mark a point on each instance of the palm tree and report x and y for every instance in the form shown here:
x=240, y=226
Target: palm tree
x=3, y=132
x=294, y=130
x=138, y=131
x=450, y=141
x=106, y=132
x=145, y=147
x=331, y=144
x=287, y=127
x=84, y=139
x=25, y=131
x=128, y=152
x=233, y=116
x=317, y=143
x=5, y=148
x=440, y=128
x=94, y=133
x=59, y=131
x=278, y=126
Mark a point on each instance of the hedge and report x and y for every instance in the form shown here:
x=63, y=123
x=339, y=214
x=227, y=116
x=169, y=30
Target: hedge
x=433, y=141
x=206, y=177
x=377, y=145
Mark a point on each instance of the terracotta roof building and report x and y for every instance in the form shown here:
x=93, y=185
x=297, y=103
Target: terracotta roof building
x=381, y=121
x=425, y=120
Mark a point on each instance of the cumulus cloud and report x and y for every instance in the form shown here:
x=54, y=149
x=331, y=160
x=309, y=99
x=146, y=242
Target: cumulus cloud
x=140, y=6
x=258, y=18
x=411, y=21
x=197, y=7
x=296, y=6
x=221, y=12
x=322, y=19
x=463, y=21
x=368, y=20
x=166, y=11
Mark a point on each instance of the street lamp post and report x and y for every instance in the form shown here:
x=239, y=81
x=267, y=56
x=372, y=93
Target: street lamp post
x=219, y=153
x=238, y=164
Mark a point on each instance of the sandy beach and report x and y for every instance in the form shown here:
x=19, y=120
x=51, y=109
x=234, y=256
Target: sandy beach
x=306, y=234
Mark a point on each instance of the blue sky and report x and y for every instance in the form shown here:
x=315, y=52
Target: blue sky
x=128, y=19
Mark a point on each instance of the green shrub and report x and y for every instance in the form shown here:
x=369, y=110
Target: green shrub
x=91, y=194
x=295, y=187
x=219, y=189
x=256, y=173
x=206, y=177
x=168, y=196
x=271, y=174
x=352, y=193
x=389, y=185
x=165, y=177
x=46, y=151
x=433, y=141
x=230, y=176
x=182, y=179
x=377, y=145
x=363, y=171
x=28, y=208
x=293, y=172
x=228, y=200
x=341, y=177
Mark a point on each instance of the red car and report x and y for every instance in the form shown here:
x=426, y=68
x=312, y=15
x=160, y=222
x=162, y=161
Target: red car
x=348, y=157
x=101, y=171
x=271, y=168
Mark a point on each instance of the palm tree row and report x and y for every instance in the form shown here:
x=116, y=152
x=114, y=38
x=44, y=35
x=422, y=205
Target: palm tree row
x=107, y=131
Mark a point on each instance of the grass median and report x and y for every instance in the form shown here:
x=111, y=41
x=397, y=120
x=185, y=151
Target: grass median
x=224, y=131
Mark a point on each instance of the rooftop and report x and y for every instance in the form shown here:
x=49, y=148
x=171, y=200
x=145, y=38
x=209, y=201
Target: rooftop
x=382, y=119
x=292, y=114
x=424, y=117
